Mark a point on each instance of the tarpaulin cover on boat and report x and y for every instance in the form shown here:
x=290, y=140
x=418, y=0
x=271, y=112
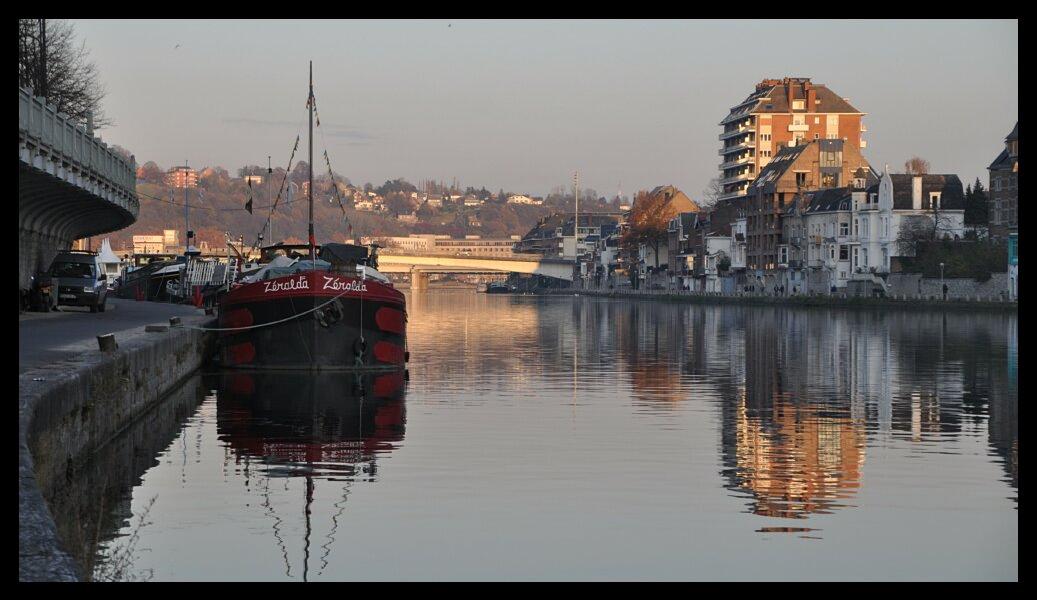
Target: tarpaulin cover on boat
x=343, y=254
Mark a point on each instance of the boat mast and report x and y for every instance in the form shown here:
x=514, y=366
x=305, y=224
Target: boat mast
x=313, y=255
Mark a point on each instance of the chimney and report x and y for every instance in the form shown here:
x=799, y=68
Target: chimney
x=811, y=95
x=916, y=192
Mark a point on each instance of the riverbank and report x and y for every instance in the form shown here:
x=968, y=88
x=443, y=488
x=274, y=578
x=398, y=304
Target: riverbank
x=67, y=409
x=825, y=301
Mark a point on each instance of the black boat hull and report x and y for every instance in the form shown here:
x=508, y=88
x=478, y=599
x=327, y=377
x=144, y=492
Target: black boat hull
x=298, y=329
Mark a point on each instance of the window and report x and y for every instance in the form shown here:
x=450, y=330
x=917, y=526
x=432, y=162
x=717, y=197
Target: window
x=817, y=135
x=801, y=179
x=798, y=105
x=864, y=257
x=844, y=229
x=817, y=120
x=783, y=255
x=844, y=253
x=829, y=180
x=856, y=227
x=885, y=257
x=831, y=158
x=934, y=200
x=765, y=137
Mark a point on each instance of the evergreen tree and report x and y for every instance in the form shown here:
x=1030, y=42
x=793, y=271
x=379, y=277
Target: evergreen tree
x=981, y=215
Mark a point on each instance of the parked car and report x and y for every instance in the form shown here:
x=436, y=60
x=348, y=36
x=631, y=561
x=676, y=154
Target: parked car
x=80, y=280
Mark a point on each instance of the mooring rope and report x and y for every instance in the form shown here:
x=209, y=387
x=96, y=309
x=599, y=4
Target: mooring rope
x=285, y=320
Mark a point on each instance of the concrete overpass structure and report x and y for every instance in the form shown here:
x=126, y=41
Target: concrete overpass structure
x=71, y=185
x=421, y=266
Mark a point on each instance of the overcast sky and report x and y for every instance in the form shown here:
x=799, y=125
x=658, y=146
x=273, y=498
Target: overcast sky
x=519, y=105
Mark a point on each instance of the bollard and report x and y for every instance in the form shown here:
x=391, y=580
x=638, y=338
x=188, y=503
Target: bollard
x=106, y=342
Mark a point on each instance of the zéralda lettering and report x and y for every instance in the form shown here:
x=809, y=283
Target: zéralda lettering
x=299, y=283
x=336, y=284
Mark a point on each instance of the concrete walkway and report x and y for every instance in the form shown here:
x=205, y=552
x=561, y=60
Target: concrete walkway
x=46, y=338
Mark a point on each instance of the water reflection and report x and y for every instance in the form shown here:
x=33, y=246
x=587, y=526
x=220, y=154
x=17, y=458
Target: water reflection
x=328, y=426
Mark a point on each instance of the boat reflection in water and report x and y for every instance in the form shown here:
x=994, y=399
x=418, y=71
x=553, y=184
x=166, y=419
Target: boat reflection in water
x=327, y=426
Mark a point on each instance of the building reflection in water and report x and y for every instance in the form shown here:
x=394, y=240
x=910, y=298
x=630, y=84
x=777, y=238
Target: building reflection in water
x=802, y=391
x=327, y=427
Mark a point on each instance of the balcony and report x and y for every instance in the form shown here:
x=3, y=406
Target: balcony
x=737, y=132
x=740, y=177
x=799, y=127
x=734, y=194
x=737, y=148
x=737, y=162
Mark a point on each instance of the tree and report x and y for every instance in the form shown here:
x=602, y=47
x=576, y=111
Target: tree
x=399, y=203
x=649, y=220
x=976, y=205
x=151, y=173
x=916, y=165
x=711, y=194
x=52, y=65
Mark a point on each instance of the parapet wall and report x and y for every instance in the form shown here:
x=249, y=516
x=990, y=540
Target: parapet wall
x=68, y=410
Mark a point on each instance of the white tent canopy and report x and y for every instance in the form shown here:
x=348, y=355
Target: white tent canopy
x=106, y=255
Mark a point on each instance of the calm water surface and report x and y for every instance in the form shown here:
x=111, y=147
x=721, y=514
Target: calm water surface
x=579, y=438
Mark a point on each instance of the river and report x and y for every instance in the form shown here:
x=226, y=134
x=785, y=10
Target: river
x=561, y=438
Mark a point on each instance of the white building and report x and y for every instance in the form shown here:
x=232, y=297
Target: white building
x=520, y=199
x=853, y=233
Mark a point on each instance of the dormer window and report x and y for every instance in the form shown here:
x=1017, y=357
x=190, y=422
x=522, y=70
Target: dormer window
x=934, y=200
x=797, y=105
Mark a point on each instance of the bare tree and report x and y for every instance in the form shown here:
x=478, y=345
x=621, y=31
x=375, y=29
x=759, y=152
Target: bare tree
x=916, y=165
x=50, y=62
x=711, y=195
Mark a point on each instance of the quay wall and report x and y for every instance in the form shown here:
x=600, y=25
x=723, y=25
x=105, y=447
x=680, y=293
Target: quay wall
x=69, y=410
x=993, y=303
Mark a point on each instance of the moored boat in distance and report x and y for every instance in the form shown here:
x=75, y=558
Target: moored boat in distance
x=500, y=288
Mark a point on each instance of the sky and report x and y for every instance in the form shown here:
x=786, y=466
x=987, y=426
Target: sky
x=521, y=105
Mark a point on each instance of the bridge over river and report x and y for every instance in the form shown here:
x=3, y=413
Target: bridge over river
x=71, y=185
x=420, y=266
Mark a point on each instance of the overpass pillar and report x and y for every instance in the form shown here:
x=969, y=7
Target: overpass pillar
x=418, y=280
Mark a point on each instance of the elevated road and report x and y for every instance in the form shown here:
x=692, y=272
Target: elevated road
x=70, y=185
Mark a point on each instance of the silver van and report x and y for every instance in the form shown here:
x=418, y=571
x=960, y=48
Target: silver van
x=77, y=279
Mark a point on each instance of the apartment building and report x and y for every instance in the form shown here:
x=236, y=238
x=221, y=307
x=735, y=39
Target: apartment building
x=1004, y=188
x=780, y=113
x=812, y=165
x=181, y=177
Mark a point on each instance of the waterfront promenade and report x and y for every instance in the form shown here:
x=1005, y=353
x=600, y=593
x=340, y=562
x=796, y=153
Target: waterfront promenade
x=73, y=398
x=49, y=338
x=800, y=300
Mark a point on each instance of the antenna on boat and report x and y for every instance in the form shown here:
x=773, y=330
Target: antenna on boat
x=309, y=103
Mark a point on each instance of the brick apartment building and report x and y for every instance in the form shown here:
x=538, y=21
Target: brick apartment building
x=1004, y=188
x=181, y=177
x=812, y=165
x=781, y=112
